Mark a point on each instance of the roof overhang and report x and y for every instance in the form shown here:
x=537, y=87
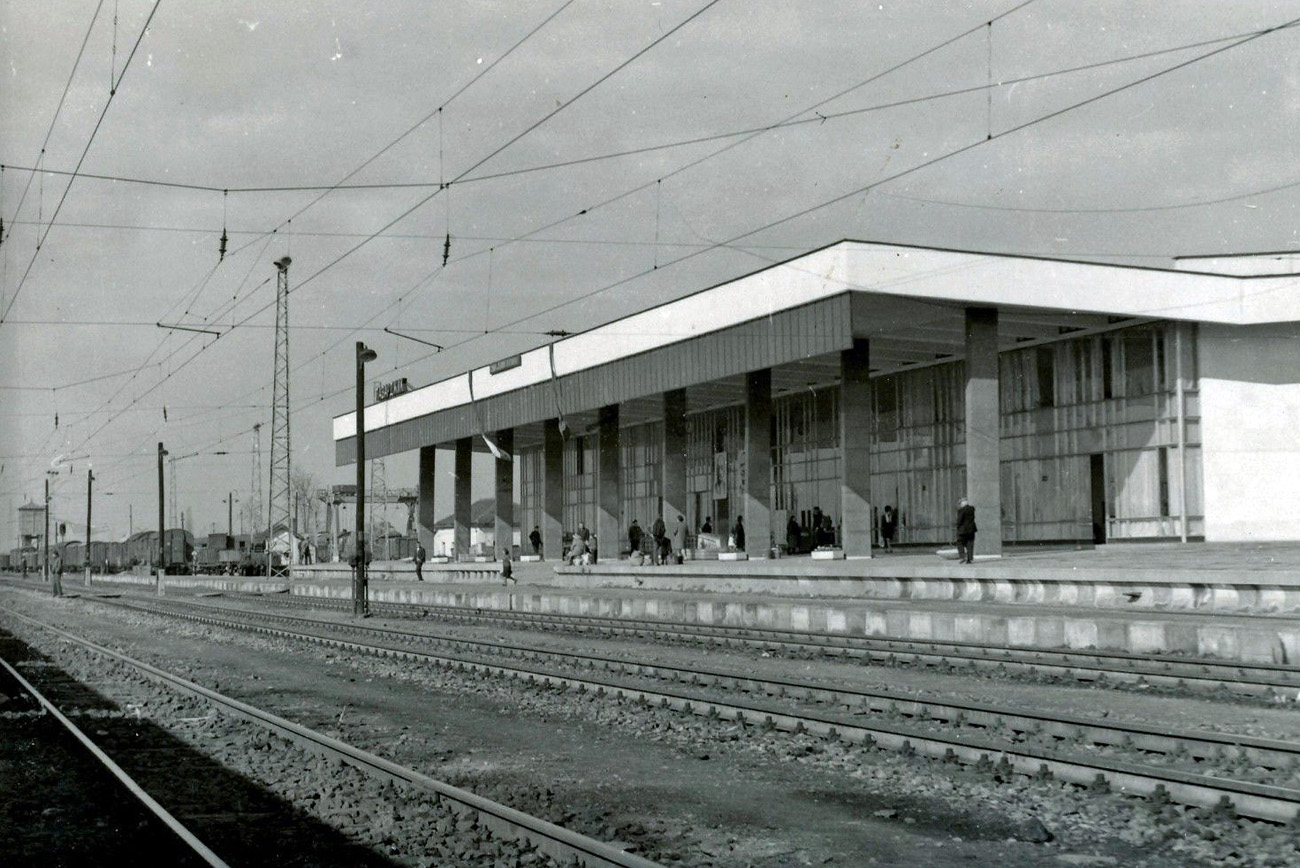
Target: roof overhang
x=907, y=300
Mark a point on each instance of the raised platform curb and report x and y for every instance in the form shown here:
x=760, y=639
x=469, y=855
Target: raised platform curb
x=1235, y=638
x=1265, y=593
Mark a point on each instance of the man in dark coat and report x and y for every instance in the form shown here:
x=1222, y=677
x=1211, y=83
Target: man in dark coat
x=660, y=534
x=738, y=533
x=536, y=539
x=419, y=562
x=634, y=535
x=965, y=532
x=888, y=528
x=792, y=534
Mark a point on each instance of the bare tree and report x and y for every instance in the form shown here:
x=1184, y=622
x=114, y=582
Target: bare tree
x=302, y=490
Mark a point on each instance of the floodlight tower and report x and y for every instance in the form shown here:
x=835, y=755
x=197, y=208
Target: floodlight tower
x=280, y=501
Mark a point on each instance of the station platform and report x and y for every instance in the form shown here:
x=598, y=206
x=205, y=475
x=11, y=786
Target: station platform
x=1258, y=579
x=1234, y=603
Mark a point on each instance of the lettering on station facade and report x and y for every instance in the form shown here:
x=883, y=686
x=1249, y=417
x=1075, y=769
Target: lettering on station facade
x=505, y=364
x=384, y=391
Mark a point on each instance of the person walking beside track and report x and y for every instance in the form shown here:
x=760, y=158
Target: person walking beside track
x=966, y=532
x=419, y=562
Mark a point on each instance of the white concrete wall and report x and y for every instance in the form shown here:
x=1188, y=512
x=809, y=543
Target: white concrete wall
x=1250, y=426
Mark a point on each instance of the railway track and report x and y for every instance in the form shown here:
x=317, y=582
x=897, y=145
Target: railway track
x=47, y=742
x=1269, y=681
x=562, y=846
x=1205, y=769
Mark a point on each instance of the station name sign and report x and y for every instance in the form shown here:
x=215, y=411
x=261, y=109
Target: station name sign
x=505, y=364
x=384, y=391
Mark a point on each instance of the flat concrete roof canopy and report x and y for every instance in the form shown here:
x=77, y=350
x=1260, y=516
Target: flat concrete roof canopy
x=794, y=317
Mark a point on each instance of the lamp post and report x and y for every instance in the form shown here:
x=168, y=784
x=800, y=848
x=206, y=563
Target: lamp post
x=162, y=531
x=90, y=488
x=360, y=605
x=51, y=575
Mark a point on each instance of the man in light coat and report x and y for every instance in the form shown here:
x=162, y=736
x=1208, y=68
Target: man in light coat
x=679, y=539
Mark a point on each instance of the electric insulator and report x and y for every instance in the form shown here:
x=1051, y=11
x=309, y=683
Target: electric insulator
x=221, y=251
x=446, y=250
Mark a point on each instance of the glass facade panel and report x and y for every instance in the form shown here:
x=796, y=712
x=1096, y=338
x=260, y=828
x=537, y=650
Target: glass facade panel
x=642, y=448
x=806, y=465
x=532, y=485
x=579, y=483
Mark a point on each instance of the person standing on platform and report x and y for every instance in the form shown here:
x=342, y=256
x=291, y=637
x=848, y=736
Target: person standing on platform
x=888, y=528
x=578, y=554
x=419, y=562
x=583, y=533
x=738, y=532
x=507, y=572
x=966, y=532
x=679, y=540
x=536, y=539
x=659, y=534
x=634, y=534
x=792, y=534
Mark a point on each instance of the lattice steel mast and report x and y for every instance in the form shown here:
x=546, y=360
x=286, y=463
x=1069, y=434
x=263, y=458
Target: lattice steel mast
x=280, y=503
x=255, y=506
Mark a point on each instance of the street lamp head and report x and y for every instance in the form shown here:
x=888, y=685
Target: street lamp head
x=283, y=263
x=365, y=354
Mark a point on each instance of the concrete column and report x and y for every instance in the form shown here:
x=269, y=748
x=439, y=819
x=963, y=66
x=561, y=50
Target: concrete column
x=672, y=482
x=855, y=450
x=609, y=489
x=983, y=431
x=757, y=510
x=505, y=492
x=461, y=514
x=552, y=491
x=425, y=515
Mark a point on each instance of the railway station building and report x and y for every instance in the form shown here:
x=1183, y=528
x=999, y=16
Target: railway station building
x=1067, y=401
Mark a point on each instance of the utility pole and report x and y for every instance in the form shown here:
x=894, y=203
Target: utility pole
x=360, y=605
x=175, y=521
x=90, y=487
x=280, y=505
x=45, y=540
x=230, y=514
x=162, y=531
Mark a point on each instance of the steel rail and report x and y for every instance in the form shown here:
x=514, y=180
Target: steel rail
x=201, y=850
x=1258, y=679
x=556, y=841
x=1259, y=801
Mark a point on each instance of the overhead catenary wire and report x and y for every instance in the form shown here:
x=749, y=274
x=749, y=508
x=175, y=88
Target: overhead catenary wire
x=59, y=108
x=89, y=141
x=904, y=173
x=677, y=143
x=351, y=174
x=731, y=145
x=406, y=213
x=724, y=242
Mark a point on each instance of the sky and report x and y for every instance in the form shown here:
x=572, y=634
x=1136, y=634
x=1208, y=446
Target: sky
x=602, y=157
